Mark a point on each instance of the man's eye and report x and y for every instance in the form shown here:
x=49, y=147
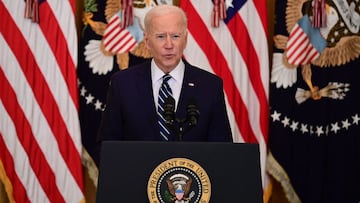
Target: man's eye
x=164, y=36
x=175, y=36
x=160, y=36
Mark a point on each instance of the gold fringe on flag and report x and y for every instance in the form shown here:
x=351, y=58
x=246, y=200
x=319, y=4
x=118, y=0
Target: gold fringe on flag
x=319, y=14
x=32, y=10
x=218, y=13
x=127, y=13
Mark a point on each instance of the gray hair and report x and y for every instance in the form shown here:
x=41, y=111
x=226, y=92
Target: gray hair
x=163, y=10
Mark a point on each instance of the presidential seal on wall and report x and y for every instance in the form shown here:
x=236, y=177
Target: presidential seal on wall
x=179, y=180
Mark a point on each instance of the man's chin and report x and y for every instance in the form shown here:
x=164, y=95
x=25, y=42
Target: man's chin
x=171, y=63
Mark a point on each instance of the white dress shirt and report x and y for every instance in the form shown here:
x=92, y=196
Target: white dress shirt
x=175, y=82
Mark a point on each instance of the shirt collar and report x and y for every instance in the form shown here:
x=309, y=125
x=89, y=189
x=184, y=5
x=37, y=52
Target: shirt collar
x=177, y=73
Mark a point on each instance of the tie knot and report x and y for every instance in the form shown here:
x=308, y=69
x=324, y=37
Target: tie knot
x=166, y=77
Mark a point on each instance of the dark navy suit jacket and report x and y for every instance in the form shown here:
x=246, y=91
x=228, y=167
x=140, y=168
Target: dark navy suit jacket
x=130, y=112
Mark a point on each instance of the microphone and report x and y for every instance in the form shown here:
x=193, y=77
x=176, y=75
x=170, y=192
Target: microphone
x=192, y=114
x=169, y=111
x=180, y=125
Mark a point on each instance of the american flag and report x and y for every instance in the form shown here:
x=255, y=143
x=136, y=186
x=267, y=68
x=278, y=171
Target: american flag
x=118, y=39
x=305, y=43
x=40, y=143
x=237, y=51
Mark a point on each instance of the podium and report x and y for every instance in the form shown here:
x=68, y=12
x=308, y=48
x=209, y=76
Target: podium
x=145, y=172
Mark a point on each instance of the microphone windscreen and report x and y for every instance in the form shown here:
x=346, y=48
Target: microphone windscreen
x=192, y=113
x=169, y=110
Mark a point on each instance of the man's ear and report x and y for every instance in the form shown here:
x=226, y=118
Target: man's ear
x=186, y=37
x=146, y=40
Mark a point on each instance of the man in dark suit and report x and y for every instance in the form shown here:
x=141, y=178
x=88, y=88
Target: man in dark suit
x=132, y=110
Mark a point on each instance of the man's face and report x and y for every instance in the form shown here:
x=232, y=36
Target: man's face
x=166, y=40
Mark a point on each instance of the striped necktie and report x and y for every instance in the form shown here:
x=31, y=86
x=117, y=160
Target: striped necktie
x=164, y=93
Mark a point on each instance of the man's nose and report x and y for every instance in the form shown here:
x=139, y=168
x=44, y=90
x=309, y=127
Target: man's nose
x=169, y=41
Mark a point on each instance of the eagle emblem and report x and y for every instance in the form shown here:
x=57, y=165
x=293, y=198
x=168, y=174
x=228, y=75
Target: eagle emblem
x=342, y=45
x=179, y=180
x=179, y=186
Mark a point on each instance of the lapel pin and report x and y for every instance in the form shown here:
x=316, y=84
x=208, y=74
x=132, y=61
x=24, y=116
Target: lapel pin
x=191, y=84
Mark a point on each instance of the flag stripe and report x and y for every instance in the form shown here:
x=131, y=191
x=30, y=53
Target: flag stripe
x=44, y=98
x=6, y=157
x=252, y=61
x=116, y=38
x=73, y=6
x=297, y=40
x=298, y=52
x=58, y=43
x=111, y=28
x=109, y=37
x=39, y=65
x=63, y=15
x=220, y=67
x=22, y=175
x=197, y=53
x=23, y=130
x=32, y=35
x=294, y=37
x=261, y=8
x=304, y=43
x=36, y=119
x=305, y=48
x=122, y=44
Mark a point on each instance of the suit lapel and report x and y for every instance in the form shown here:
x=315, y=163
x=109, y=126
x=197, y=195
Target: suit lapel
x=187, y=91
x=144, y=87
